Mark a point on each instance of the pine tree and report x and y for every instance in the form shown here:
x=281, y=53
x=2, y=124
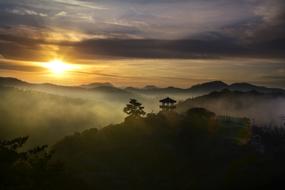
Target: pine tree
x=134, y=109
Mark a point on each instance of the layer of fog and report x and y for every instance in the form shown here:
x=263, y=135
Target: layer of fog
x=49, y=114
x=262, y=111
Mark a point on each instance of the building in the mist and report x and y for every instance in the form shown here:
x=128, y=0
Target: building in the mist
x=167, y=104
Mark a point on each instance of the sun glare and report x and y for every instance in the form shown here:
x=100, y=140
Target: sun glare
x=58, y=67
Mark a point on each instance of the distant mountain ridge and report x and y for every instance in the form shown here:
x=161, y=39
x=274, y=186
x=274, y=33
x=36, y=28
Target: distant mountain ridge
x=96, y=84
x=198, y=89
x=246, y=87
x=263, y=108
x=209, y=86
x=9, y=81
x=206, y=88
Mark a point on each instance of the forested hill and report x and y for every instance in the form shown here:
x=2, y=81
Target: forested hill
x=194, y=150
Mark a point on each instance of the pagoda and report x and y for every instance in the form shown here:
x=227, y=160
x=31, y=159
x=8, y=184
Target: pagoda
x=167, y=104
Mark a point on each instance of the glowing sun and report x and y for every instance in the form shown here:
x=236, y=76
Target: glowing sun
x=58, y=67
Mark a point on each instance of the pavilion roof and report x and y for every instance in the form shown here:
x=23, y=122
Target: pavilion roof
x=167, y=100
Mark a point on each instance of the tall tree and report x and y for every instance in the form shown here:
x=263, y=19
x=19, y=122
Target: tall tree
x=134, y=109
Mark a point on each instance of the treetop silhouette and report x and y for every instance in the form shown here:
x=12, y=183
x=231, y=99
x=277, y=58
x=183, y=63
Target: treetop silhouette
x=134, y=109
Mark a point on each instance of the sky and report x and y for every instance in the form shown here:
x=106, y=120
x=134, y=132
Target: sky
x=144, y=42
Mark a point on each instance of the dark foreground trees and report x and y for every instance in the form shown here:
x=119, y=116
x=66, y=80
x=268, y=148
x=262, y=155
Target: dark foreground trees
x=31, y=169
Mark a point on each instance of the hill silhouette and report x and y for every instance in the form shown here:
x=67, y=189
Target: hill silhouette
x=194, y=150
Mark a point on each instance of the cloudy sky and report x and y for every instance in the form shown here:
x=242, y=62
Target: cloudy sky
x=139, y=42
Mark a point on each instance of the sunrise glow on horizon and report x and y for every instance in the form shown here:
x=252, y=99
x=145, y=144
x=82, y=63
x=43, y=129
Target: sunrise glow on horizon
x=130, y=43
x=59, y=67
